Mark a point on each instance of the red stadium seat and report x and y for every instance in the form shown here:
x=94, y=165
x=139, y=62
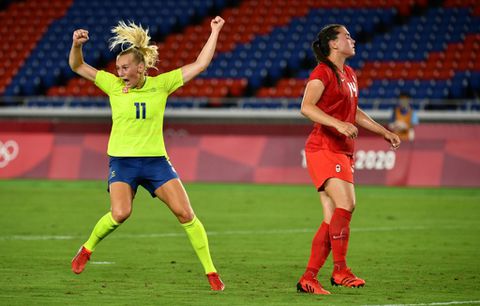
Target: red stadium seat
x=25, y=25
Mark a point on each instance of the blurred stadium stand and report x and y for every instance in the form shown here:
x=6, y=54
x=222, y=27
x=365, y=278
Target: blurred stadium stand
x=427, y=49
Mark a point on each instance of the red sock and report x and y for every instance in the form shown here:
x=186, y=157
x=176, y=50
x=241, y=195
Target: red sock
x=320, y=249
x=339, y=235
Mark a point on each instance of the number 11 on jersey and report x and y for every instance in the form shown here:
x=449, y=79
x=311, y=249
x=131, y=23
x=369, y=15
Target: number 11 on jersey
x=141, y=110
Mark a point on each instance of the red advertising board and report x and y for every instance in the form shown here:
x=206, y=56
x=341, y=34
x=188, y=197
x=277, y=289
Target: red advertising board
x=441, y=155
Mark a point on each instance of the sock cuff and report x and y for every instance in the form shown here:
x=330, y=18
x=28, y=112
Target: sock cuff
x=344, y=213
x=312, y=271
x=190, y=223
x=115, y=223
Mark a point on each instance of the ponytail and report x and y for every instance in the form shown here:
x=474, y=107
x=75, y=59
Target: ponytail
x=137, y=42
x=321, y=47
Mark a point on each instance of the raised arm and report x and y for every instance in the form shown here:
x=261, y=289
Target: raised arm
x=365, y=121
x=205, y=57
x=313, y=92
x=75, y=59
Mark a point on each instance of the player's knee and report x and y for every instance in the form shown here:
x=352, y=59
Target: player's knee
x=350, y=206
x=120, y=215
x=185, y=216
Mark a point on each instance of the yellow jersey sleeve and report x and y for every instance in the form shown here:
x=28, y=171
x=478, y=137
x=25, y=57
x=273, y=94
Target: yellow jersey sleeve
x=107, y=81
x=170, y=81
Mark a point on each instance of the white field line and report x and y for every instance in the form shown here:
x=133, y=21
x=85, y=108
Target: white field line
x=211, y=233
x=431, y=304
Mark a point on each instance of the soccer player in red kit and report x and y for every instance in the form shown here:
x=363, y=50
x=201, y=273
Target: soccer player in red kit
x=331, y=102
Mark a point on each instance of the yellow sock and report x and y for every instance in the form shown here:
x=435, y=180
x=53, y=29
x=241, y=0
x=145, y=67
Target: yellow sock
x=104, y=226
x=199, y=240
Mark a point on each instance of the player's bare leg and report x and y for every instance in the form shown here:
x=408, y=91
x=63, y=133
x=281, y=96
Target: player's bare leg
x=121, y=197
x=343, y=195
x=173, y=194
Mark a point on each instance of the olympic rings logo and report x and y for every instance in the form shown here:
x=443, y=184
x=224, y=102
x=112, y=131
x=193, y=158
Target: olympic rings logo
x=8, y=152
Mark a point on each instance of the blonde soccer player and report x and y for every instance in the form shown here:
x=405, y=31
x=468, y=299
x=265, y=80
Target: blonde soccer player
x=136, y=149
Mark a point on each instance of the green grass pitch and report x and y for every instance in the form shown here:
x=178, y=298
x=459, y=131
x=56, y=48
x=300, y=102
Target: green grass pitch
x=411, y=245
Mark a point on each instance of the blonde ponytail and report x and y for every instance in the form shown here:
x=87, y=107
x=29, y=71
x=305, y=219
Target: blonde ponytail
x=137, y=40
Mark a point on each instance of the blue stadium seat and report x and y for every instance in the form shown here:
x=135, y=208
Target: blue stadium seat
x=284, y=52
x=99, y=17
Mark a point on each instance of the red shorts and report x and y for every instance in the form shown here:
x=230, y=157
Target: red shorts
x=324, y=164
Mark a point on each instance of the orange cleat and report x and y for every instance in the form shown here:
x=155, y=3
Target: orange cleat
x=80, y=260
x=310, y=285
x=215, y=282
x=346, y=278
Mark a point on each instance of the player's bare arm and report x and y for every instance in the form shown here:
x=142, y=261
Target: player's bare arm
x=313, y=92
x=75, y=59
x=205, y=57
x=365, y=121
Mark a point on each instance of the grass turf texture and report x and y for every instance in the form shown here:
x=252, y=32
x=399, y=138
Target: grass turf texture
x=410, y=245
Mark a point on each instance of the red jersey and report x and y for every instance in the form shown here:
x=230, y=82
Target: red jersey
x=339, y=101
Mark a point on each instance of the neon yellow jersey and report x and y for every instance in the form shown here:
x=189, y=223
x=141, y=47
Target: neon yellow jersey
x=137, y=114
